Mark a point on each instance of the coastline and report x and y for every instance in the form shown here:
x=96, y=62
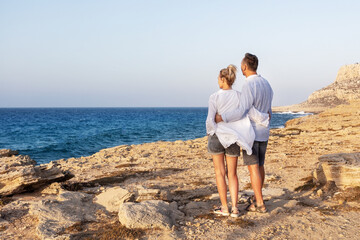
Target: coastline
x=51, y=134
x=181, y=173
x=299, y=108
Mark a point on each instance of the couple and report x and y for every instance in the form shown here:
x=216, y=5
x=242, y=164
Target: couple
x=239, y=120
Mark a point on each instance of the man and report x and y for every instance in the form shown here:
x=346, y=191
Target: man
x=256, y=92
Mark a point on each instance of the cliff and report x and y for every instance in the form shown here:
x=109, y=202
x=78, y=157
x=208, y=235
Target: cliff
x=345, y=88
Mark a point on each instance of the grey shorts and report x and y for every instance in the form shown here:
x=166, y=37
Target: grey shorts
x=258, y=154
x=215, y=147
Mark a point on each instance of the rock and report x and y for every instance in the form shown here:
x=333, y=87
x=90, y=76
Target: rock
x=19, y=174
x=3, y=223
x=197, y=208
x=149, y=214
x=345, y=89
x=319, y=192
x=342, y=168
x=153, y=194
x=53, y=188
x=148, y=194
x=7, y=153
x=56, y=215
x=243, y=198
x=113, y=197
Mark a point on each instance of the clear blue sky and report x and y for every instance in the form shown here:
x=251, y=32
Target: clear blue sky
x=167, y=53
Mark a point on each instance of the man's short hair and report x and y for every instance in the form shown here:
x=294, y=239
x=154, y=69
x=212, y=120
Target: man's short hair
x=251, y=61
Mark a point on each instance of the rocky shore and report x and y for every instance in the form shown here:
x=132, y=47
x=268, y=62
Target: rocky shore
x=167, y=190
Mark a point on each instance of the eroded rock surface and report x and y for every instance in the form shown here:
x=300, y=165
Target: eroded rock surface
x=149, y=214
x=342, y=168
x=7, y=153
x=346, y=88
x=19, y=174
x=113, y=197
x=55, y=215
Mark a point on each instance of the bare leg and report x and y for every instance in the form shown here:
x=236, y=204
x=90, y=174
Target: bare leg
x=233, y=179
x=262, y=173
x=219, y=166
x=256, y=183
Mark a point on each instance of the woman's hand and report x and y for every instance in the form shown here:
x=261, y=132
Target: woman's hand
x=218, y=118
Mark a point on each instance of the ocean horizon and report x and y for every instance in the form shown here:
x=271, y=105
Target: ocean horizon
x=47, y=134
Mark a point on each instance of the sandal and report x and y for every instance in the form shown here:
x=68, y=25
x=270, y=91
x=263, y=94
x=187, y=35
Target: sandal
x=254, y=208
x=234, y=212
x=220, y=211
x=251, y=199
x=251, y=207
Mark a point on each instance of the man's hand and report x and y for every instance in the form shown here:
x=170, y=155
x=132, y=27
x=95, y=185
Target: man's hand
x=269, y=115
x=218, y=118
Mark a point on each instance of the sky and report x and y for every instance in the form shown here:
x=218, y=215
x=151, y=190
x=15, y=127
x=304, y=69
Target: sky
x=168, y=53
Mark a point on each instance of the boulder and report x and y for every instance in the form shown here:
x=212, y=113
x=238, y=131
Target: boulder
x=149, y=214
x=68, y=209
x=7, y=153
x=19, y=174
x=341, y=168
x=113, y=197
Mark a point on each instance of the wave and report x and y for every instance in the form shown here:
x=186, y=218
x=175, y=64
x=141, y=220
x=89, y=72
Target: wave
x=295, y=113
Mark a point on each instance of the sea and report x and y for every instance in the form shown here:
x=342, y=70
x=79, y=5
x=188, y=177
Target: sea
x=47, y=134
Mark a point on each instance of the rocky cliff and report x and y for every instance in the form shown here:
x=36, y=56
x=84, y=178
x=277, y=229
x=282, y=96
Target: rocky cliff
x=345, y=88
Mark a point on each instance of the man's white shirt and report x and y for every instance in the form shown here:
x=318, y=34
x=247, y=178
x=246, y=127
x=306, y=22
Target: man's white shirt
x=256, y=92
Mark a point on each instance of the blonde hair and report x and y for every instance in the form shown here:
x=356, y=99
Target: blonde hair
x=229, y=74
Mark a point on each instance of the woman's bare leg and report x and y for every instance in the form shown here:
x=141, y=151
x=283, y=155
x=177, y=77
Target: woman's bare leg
x=233, y=179
x=219, y=166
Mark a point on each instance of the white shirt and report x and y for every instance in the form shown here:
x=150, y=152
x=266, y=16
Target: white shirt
x=256, y=92
x=241, y=131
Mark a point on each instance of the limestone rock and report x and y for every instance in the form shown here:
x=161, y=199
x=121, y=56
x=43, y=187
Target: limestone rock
x=57, y=215
x=342, y=168
x=7, y=153
x=54, y=188
x=153, y=194
x=149, y=214
x=346, y=88
x=19, y=174
x=113, y=197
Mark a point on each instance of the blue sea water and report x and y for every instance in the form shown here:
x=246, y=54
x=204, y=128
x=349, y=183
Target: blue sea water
x=47, y=134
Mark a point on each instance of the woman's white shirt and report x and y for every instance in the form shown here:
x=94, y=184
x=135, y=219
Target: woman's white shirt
x=241, y=131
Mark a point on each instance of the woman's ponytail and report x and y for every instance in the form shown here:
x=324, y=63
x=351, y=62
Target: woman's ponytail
x=229, y=74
